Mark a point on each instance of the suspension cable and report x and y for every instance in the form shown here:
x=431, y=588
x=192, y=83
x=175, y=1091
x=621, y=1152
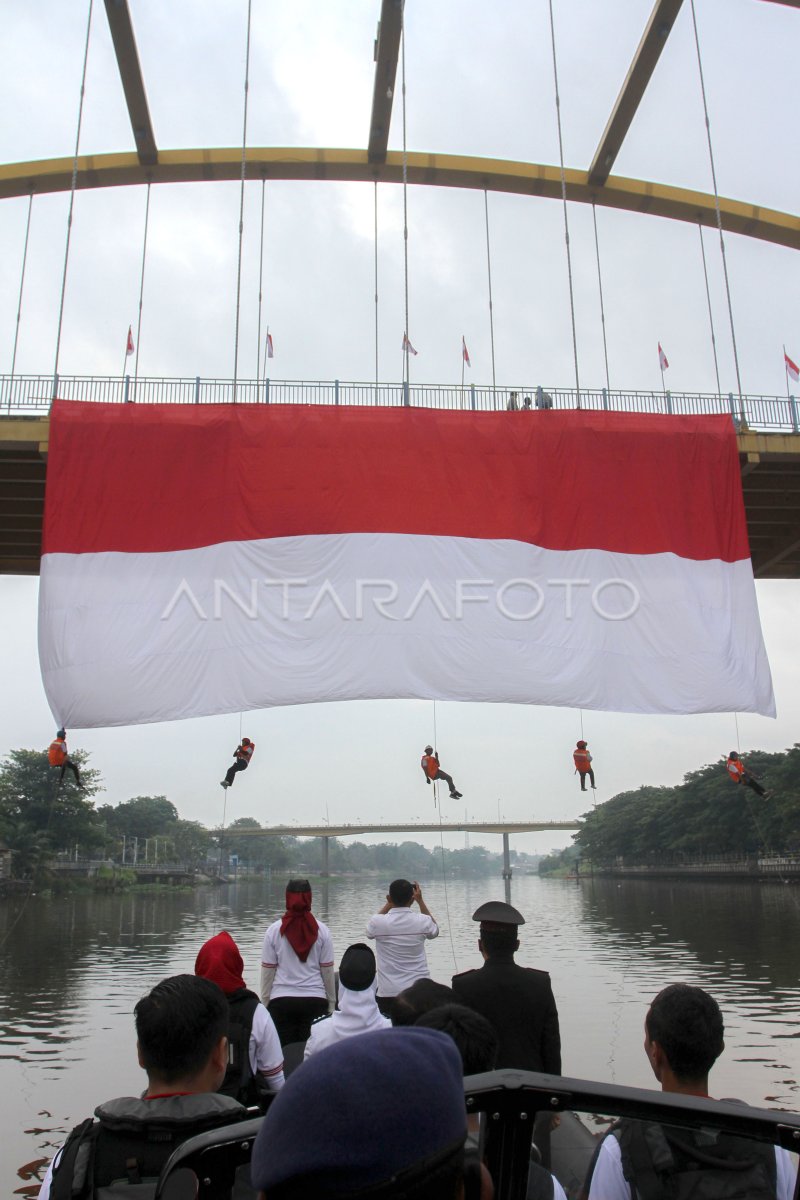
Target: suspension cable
x=19, y=302
x=141, y=290
x=600, y=286
x=489, y=274
x=717, y=209
x=260, y=284
x=441, y=850
x=708, y=301
x=72, y=189
x=375, y=185
x=406, y=348
x=241, y=203
x=564, y=203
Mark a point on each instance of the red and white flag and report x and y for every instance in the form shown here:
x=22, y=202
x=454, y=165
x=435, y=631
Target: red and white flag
x=465, y=351
x=407, y=345
x=662, y=358
x=274, y=569
x=270, y=348
x=792, y=368
x=129, y=344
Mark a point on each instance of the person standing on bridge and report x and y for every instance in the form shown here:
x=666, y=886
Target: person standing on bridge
x=241, y=761
x=432, y=771
x=58, y=756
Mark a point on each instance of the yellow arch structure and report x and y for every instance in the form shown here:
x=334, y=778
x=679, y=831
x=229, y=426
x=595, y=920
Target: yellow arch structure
x=439, y=170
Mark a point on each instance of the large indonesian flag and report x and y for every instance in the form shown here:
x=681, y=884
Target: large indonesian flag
x=211, y=559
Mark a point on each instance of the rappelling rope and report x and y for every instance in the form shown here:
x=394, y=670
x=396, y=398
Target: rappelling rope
x=19, y=302
x=564, y=202
x=73, y=186
x=260, y=292
x=241, y=203
x=600, y=286
x=441, y=850
x=717, y=209
x=405, y=189
x=489, y=276
x=708, y=300
x=375, y=201
x=141, y=289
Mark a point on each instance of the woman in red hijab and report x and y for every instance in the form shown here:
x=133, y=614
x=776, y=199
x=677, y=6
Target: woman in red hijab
x=297, y=982
x=255, y=1056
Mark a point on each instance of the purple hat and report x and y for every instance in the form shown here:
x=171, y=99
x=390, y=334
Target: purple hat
x=361, y=1113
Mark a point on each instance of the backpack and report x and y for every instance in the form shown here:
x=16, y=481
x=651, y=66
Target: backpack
x=661, y=1161
x=239, y=1082
x=121, y=1154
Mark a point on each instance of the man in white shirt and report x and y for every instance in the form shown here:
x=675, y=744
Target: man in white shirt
x=400, y=937
x=683, y=1039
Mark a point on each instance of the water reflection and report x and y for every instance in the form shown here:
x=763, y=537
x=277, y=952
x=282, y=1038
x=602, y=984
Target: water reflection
x=72, y=970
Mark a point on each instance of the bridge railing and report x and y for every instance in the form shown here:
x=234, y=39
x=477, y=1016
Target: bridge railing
x=32, y=394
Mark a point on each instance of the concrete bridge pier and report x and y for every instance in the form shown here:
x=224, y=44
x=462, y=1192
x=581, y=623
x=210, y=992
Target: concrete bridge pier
x=506, y=858
x=326, y=846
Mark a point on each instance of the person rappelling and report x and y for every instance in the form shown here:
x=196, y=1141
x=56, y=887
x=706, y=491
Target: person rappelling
x=740, y=774
x=241, y=761
x=432, y=771
x=58, y=756
x=583, y=764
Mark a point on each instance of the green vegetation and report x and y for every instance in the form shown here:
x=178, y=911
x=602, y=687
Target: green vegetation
x=705, y=815
x=40, y=822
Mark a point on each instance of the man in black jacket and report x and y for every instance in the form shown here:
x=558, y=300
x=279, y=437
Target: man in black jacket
x=517, y=1001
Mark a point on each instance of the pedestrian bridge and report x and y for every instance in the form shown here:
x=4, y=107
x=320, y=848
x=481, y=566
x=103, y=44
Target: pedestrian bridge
x=768, y=432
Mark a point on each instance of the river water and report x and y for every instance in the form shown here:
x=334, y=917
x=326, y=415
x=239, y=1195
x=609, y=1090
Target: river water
x=72, y=969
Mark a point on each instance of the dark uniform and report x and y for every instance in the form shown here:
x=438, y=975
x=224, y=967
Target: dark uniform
x=518, y=1002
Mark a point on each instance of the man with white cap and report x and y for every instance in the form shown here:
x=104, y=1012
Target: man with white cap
x=357, y=1010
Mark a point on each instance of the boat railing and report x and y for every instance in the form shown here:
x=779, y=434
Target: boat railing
x=510, y=1101
x=32, y=395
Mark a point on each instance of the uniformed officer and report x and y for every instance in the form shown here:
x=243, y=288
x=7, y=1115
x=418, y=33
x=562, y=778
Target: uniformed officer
x=517, y=1001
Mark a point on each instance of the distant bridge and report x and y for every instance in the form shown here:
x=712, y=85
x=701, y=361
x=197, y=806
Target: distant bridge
x=326, y=832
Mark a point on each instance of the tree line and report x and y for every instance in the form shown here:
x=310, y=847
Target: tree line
x=41, y=819
x=707, y=814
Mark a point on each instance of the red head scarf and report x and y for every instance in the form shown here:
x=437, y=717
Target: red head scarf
x=299, y=925
x=220, y=961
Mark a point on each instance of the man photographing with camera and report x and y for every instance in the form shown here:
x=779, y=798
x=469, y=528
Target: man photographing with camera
x=400, y=937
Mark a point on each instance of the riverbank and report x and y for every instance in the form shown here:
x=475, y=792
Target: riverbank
x=780, y=869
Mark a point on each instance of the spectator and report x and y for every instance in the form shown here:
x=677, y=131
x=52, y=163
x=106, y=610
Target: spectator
x=380, y=1115
x=513, y=402
x=420, y=998
x=297, y=980
x=683, y=1040
x=400, y=937
x=180, y=1030
x=357, y=1010
x=255, y=1058
x=476, y=1042
x=518, y=1002
x=543, y=399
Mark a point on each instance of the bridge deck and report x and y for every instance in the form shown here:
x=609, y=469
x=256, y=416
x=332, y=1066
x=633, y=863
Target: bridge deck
x=769, y=451
x=352, y=830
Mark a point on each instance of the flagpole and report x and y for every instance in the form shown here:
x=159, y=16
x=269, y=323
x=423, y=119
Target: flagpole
x=125, y=359
x=661, y=368
x=266, y=352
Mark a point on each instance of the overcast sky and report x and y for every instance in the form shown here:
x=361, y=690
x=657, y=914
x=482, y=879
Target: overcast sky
x=479, y=82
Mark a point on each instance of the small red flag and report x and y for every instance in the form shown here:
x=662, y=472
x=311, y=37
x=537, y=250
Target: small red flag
x=791, y=367
x=465, y=351
x=270, y=349
x=129, y=345
x=407, y=344
x=662, y=358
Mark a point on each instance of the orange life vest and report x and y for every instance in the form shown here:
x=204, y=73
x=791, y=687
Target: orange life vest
x=429, y=765
x=582, y=760
x=245, y=752
x=736, y=769
x=57, y=754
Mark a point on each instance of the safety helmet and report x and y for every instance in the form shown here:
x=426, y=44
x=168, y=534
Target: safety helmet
x=581, y=745
x=245, y=741
x=733, y=754
x=429, y=749
x=61, y=733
